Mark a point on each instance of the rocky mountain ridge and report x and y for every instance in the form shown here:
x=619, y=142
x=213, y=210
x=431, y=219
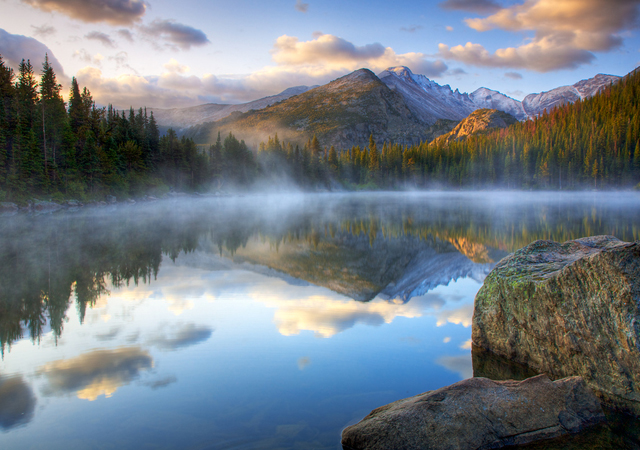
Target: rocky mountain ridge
x=397, y=106
x=344, y=112
x=427, y=100
x=431, y=101
x=535, y=104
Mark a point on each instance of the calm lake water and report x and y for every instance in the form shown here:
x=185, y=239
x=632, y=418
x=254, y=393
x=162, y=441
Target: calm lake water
x=257, y=322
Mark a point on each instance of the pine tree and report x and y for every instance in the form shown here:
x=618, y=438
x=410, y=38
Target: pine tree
x=53, y=116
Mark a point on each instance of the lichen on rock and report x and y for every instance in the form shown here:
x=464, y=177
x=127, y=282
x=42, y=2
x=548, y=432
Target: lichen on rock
x=568, y=309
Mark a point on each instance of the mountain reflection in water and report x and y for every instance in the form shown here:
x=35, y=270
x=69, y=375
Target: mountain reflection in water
x=189, y=296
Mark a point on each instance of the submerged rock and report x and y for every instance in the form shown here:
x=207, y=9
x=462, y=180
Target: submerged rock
x=44, y=206
x=478, y=413
x=568, y=309
x=8, y=207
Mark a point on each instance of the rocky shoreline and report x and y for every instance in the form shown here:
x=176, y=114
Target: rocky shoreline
x=569, y=311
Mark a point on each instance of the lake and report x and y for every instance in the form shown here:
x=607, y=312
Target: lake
x=254, y=322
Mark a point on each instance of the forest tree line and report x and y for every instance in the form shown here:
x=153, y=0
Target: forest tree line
x=588, y=144
x=50, y=148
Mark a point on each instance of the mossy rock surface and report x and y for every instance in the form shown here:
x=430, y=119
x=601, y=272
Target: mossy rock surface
x=568, y=309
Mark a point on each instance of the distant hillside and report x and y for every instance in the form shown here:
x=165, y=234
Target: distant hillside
x=535, y=104
x=182, y=118
x=344, y=112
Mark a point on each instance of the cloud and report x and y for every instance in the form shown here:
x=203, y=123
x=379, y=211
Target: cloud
x=101, y=37
x=327, y=53
x=513, y=75
x=460, y=364
x=174, y=66
x=125, y=34
x=86, y=57
x=183, y=336
x=114, y=12
x=15, y=47
x=466, y=345
x=304, y=362
x=412, y=28
x=179, y=35
x=121, y=59
x=460, y=316
x=326, y=48
x=302, y=7
x=17, y=402
x=315, y=62
x=448, y=28
x=44, y=30
x=456, y=71
x=162, y=382
x=326, y=317
x=109, y=335
x=538, y=56
x=96, y=373
x=565, y=34
x=475, y=6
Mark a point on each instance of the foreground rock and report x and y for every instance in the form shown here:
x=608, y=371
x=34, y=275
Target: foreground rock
x=568, y=309
x=478, y=413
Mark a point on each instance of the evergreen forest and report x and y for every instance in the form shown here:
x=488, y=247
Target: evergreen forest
x=54, y=149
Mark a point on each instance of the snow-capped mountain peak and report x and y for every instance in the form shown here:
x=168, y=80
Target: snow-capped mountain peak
x=430, y=101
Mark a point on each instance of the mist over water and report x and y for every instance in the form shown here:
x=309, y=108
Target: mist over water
x=258, y=321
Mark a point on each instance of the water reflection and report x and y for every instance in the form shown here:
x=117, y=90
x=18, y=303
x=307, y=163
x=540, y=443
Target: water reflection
x=183, y=335
x=96, y=373
x=209, y=312
x=394, y=246
x=17, y=402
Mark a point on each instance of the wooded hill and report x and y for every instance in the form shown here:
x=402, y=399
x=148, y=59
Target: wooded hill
x=588, y=144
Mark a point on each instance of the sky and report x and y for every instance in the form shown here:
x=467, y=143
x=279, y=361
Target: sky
x=165, y=53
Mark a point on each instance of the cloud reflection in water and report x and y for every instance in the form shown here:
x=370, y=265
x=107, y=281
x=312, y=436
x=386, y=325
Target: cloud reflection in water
x=184, y=335
x=326, y=316
x=96, y=373
x=17, y=402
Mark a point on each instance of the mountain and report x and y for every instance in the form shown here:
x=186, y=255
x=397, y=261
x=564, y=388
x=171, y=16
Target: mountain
x=429, y=101
x=181, y=118
x=479, y=121
x=397, y=106
x=425, y=98
x=535, y=104
x=343, y=112
x=484, y=98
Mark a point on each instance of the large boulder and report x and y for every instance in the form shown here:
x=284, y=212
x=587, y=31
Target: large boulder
x=568, y=309
x=479, y=413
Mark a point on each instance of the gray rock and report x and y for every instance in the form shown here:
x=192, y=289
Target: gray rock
x=43, y=206
x=478, y=413
x=111, y=199
x=73, y=203
x=8, y=207
x=568, y=309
